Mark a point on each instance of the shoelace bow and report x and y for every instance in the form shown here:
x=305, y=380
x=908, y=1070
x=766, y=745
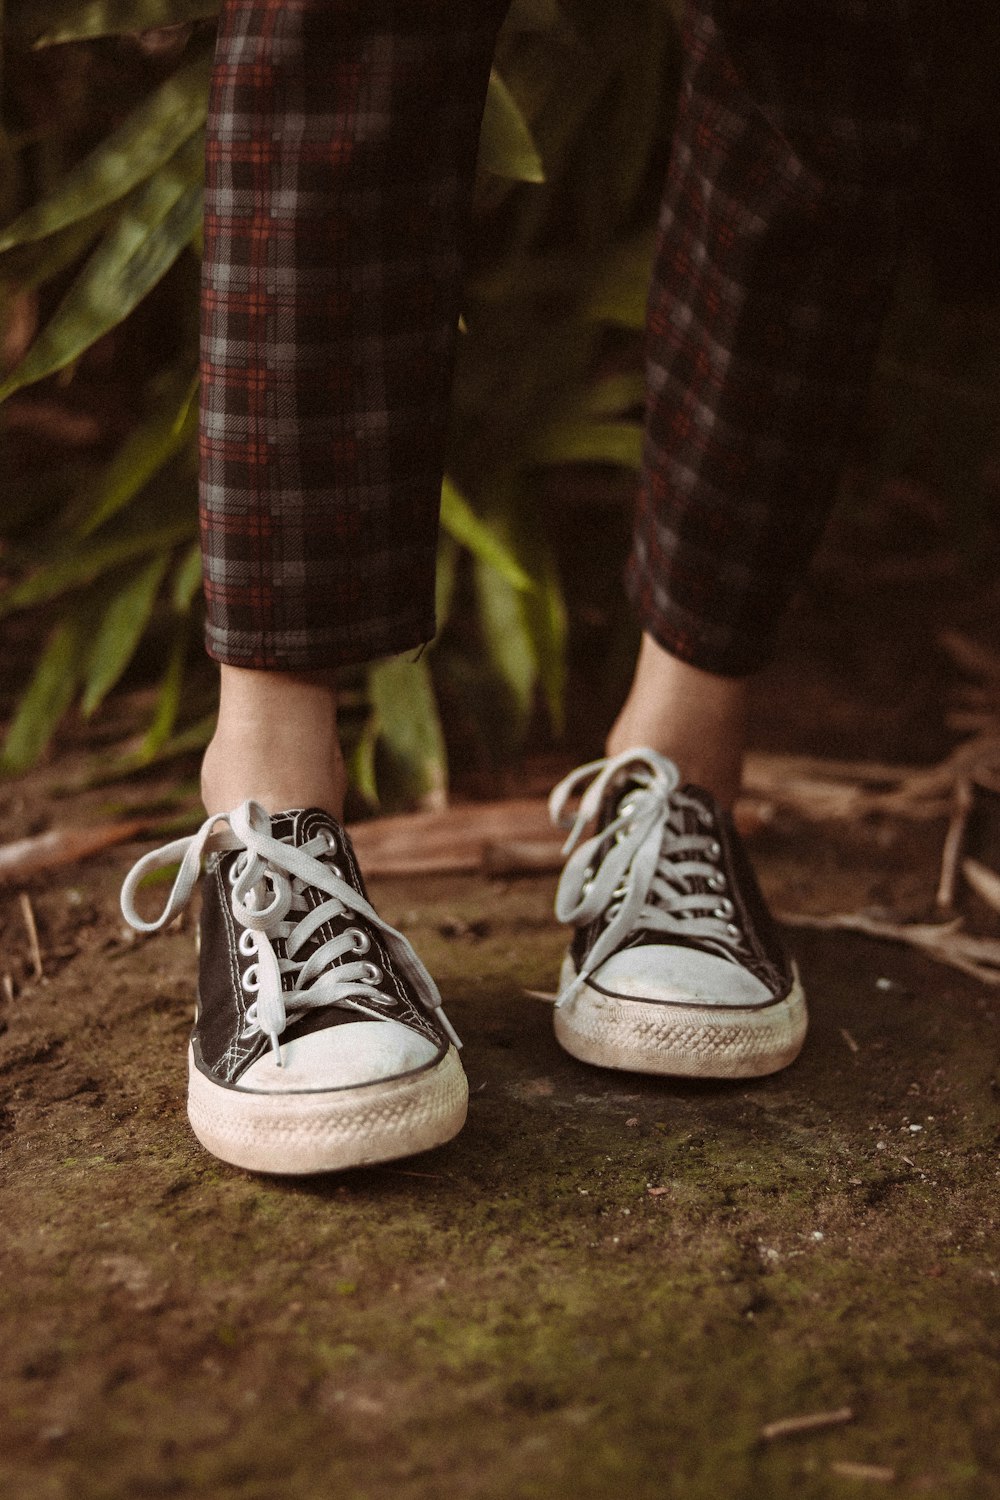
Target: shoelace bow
x=644, y=879
x=268, y=903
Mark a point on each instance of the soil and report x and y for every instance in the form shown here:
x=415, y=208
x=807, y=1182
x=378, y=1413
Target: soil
x=607, y=1285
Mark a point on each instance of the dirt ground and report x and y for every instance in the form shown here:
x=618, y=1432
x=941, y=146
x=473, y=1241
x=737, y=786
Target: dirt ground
x=607, y=1285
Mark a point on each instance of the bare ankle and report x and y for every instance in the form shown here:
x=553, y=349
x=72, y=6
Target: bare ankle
x=697, y=719
x=276, y=742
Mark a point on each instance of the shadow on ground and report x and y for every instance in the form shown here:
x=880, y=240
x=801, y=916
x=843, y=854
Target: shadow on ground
x=606, y=1286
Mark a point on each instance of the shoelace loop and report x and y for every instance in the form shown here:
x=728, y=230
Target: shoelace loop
x=645, y=877
x=268, y=884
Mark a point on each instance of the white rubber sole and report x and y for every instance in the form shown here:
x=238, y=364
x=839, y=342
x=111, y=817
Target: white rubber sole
x=696, y=1041
x=295, y=1134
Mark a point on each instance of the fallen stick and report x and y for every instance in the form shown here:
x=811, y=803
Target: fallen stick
x=984, y=881
x=813, y=1422
x=847, y=1469
x=953, y=842
x=25, y=858
x=458, y=839
x=943, y=941
x=31, y=927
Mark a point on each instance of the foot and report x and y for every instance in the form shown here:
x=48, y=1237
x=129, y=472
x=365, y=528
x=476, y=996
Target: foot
x=319, y=1041
x=675, y=966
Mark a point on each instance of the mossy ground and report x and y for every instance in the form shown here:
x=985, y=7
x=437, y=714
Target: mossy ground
x=605, y=1286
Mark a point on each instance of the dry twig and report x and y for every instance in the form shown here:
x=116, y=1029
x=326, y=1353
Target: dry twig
x=953, y=841
x=25, y=858
x=847, y=1469
x=31, y=926
x=984, y=881
x=813, y=1422
x=943, y=941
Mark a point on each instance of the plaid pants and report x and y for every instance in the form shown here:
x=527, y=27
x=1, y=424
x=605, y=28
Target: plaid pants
x=342, y=144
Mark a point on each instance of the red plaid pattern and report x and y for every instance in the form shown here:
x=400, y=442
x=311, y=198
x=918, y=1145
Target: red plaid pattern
x=342, y=141
x=798, y=132
x=341, y=148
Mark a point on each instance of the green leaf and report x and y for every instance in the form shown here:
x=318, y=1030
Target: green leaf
x=120, y=631
x=187, y=580
x=615, y=395
x=30, y=265
x=81, y=565
x=155, y=225
x=507, y=638
x=362, y=762
x=44, y=23
x=144, y=452
x=581, y=442
x=545, y=615
x=194, y=737
x=49, y=694
x=461, y=522
x=506, y=146
x=622, y=291
x=148, y=139
x=444, y=578
x=168, y=701
x=525, y=632
x=409, y=727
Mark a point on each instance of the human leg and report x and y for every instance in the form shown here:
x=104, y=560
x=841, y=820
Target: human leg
x=779, y=232
x=780, y=229
x=341, y=148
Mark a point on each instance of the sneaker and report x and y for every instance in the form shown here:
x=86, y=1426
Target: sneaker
x=319, y=1039
x=675, y=966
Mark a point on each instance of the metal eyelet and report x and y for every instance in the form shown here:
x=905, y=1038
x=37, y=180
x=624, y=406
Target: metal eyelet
x=724, y=909
x=250, y=980
x=372, y=973
x=732, y=929
x=612, y=911
x=329, y=839
x=248, y=942
x=362, y=942
x=705, y=818
x=714, y=850
x=236, y=869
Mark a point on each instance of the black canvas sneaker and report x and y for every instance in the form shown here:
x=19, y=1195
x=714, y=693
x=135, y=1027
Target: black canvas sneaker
x=319, y=1040
x=676, y=965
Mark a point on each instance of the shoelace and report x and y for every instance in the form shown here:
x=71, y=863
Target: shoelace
x=644, y=880
x=268, y=886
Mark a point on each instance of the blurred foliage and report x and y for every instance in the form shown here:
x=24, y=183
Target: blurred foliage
x=104, y=116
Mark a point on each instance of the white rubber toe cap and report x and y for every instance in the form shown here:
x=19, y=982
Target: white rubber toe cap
x=340, y=1057
x=672, y=974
